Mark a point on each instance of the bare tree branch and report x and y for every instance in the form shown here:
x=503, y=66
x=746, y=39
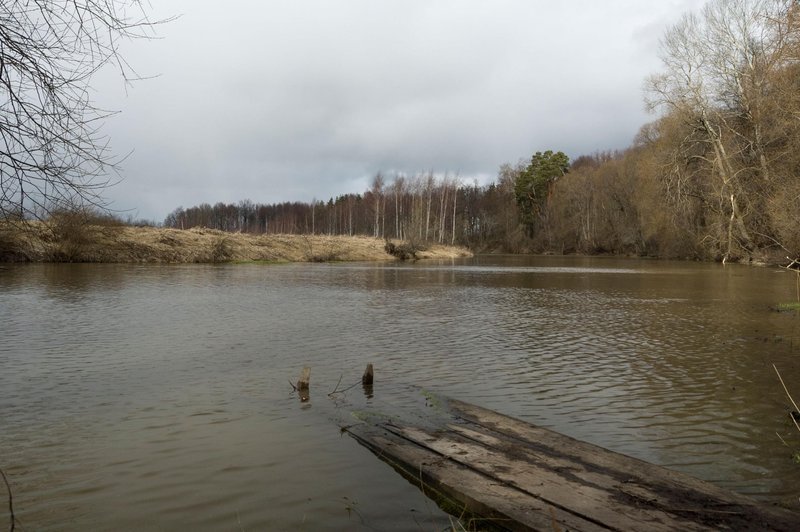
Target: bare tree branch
x=53, y=154
x=10, y=502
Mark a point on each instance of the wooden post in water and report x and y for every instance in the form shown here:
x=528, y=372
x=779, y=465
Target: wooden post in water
x=303, y=384
x=366, y=381
x=367, y=378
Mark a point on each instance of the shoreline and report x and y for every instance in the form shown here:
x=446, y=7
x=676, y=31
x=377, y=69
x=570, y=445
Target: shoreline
x=113, y=243
x=116, y=243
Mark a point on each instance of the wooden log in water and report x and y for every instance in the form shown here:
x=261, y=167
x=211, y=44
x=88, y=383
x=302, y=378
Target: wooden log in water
x=305, y=379
x=368, y=376
x=517, y=476
x=303, y=384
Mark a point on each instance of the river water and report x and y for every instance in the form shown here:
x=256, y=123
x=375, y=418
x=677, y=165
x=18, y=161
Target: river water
x=158, y=397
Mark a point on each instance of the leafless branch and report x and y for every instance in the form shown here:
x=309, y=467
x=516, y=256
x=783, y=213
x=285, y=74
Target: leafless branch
x=794, y=420
x=10, y=502
x=53, y=153
x=337, y=390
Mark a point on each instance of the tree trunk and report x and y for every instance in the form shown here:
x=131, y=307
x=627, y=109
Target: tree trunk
x=455, y=196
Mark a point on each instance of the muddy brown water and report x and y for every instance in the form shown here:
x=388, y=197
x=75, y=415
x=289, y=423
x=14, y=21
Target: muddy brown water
x=158, y=397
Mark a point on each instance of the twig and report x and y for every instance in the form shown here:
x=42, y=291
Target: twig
x=351, y=386
x=10, y=502
x=337, y=385
x=351, y=507
x=342, y=391
x=292, y=385
x=794, y=265
x=787, y=395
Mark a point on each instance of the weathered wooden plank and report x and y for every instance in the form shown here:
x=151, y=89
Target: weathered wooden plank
x=586, y=500
x=614, y=493
x=461, y=489
x=576, y=452
x=525, y=477
x=644, y=483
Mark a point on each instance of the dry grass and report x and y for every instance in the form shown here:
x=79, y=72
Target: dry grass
x=40, y=242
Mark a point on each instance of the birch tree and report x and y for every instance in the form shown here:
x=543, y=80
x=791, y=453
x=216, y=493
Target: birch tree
x=377, y=191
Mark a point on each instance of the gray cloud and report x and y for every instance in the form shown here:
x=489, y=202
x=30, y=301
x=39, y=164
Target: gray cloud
x=289, y=100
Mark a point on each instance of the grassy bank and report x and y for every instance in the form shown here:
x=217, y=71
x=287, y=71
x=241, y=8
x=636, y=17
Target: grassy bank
x=65, y=242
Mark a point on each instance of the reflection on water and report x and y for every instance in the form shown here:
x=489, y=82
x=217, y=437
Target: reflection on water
x=158, y=397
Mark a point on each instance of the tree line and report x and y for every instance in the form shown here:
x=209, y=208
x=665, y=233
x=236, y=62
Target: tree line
x=714, y=177
x=421, y=208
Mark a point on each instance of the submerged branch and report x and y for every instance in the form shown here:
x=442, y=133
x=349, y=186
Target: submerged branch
x=10, y=502
x=794, y=420
x=337, y=390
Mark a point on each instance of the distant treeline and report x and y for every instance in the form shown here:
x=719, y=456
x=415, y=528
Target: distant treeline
x=715, y=177
x=423, y=208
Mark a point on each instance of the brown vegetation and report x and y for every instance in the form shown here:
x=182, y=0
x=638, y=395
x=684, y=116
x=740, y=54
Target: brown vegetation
x=68, y=240
x=714, y=177
x=53, y=154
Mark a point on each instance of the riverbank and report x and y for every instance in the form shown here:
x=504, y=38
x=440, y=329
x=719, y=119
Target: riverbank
x=114, y=243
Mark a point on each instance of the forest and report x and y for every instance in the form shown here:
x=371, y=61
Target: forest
x=713, y=177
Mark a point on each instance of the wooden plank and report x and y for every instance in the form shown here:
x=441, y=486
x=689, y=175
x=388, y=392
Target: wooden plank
x=576, y=452
x=558, y=490
x=461, y=490
x=523, y=477
x=572, y=472
x=645, y=483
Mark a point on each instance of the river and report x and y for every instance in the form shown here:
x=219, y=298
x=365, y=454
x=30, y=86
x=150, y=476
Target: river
x=142, y=397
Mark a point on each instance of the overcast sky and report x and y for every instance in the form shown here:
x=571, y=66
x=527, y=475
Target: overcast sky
x=286, y=100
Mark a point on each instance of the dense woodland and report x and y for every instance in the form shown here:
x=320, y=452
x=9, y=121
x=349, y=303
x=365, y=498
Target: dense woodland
x=716, y=176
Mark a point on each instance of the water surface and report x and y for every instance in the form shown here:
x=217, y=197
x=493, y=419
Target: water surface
x=158, y=397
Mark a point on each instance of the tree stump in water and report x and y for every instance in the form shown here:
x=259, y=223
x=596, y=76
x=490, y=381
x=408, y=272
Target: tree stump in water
x=367, y=378
x=303, y=384
x=366, y=381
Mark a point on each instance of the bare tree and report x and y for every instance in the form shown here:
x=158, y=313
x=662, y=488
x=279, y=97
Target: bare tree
x=456, y=184
x=442, y=207
x=398, y=191
x=717, y=70
x=53, y=154
x=377, y=191
x=429, y=183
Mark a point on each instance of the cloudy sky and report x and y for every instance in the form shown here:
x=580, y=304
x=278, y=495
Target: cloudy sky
x=285, y=100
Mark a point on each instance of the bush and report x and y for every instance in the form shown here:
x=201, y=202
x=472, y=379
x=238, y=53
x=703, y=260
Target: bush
x=74, y=233
x=222, y=250
x=403, y=251
x=11, y=247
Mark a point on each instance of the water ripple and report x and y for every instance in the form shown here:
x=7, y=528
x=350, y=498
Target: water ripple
x=145, y=397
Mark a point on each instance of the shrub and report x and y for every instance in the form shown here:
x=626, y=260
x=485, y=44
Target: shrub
x=222, y=250
x=403, y=251
x=11, y=247
x=74, y=233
